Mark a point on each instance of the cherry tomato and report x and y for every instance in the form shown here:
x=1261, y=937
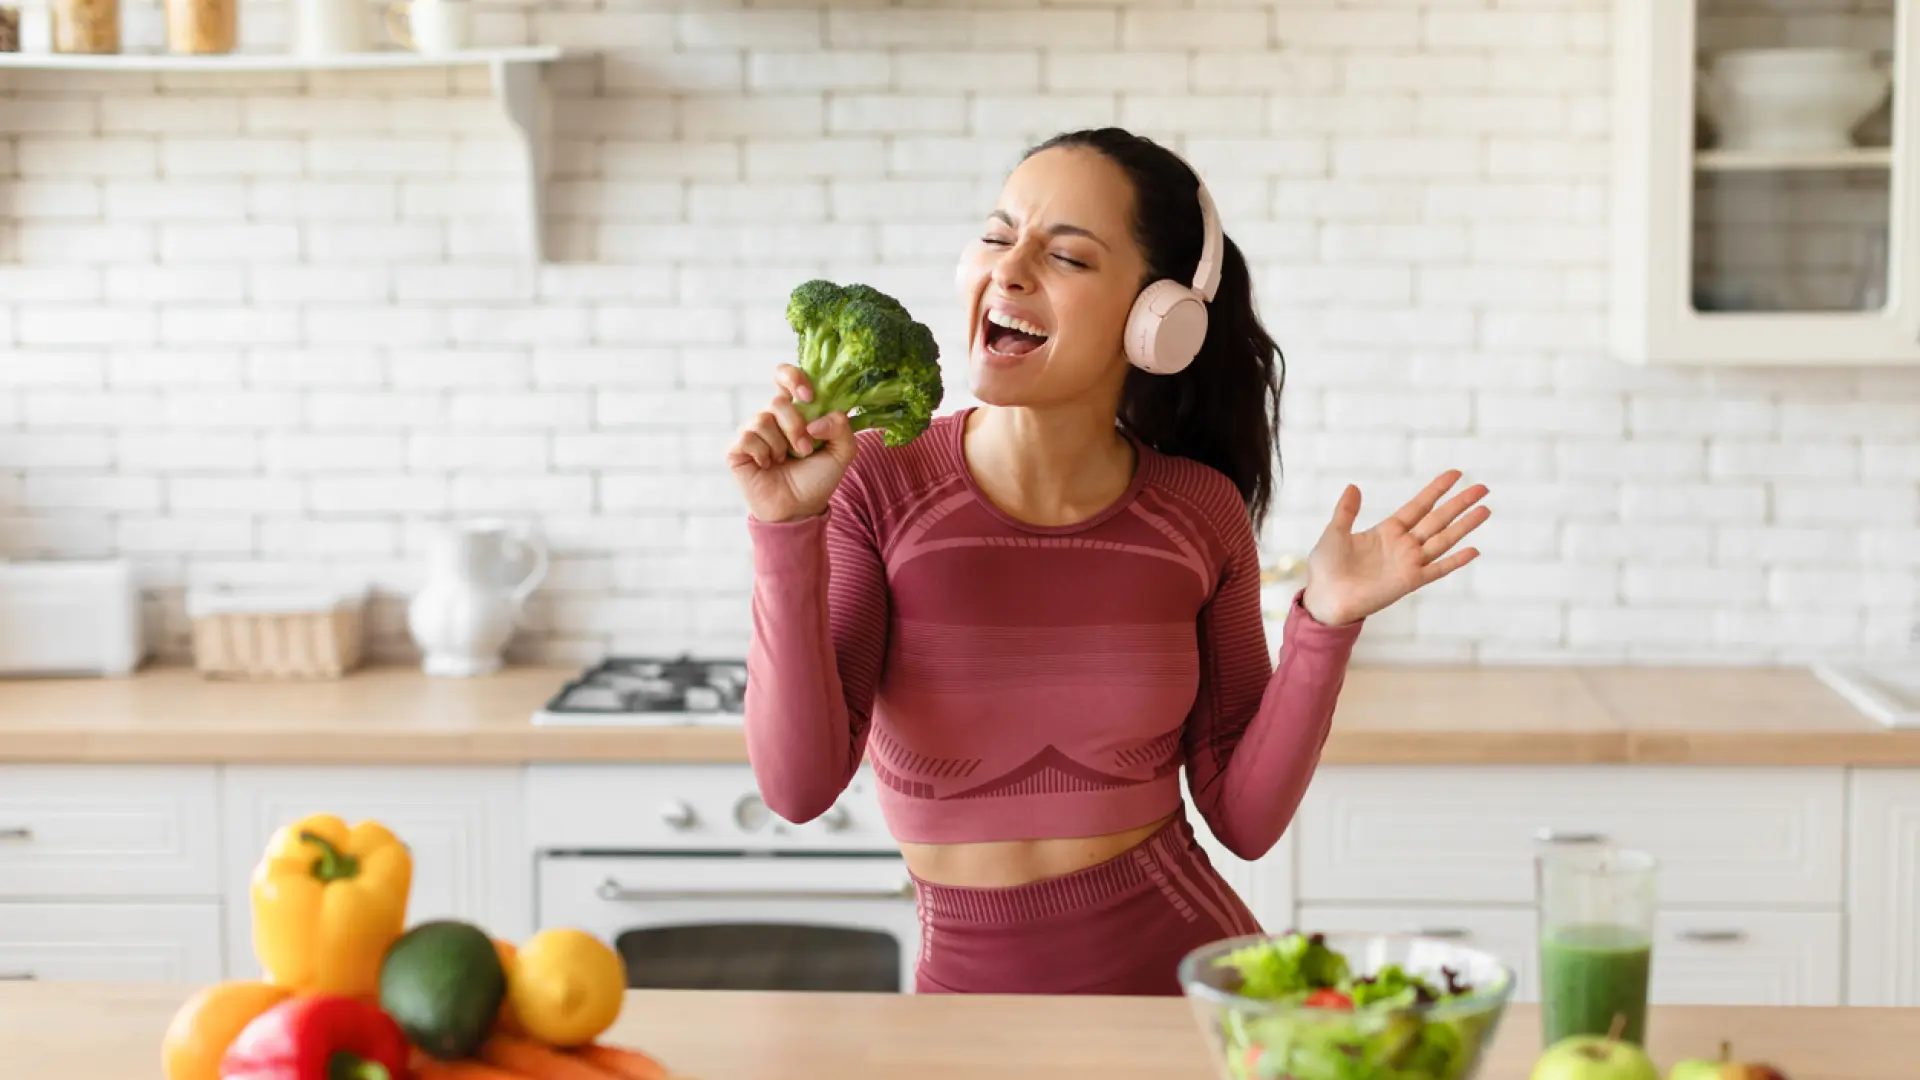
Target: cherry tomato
x=1328, y=999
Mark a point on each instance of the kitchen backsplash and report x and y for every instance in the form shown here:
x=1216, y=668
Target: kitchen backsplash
x=262, y=326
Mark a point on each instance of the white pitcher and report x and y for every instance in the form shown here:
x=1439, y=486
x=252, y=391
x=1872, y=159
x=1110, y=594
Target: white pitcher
x=464, y=616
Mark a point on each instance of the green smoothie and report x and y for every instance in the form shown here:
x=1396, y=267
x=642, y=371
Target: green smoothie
x=1589, y=972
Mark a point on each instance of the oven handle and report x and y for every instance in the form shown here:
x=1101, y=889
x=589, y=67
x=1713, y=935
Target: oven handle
x=612, y=891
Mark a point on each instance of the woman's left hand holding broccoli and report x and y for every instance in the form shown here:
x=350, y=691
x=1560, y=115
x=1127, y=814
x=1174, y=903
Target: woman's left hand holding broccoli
x=786, y=467
x=1352, y=575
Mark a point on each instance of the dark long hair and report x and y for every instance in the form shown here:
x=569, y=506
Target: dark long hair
x=1224, y=409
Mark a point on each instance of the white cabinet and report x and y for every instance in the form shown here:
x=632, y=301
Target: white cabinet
x=1883, y=889
x=1747, y=957
x=111, y=942
x=108, y=830
x=1766, y=182
x=463, y=825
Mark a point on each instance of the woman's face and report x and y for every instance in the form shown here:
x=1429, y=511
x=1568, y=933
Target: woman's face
x=1048, y=285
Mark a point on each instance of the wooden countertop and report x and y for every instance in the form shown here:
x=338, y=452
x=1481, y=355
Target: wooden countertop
x=1387, y=715
x=95, y=1031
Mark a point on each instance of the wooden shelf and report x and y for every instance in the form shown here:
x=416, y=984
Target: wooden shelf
x=1859, y=157
x=518, y=87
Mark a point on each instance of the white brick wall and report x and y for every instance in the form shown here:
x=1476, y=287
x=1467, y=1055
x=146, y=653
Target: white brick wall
x=262, y=327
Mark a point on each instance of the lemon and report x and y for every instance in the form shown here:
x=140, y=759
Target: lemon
x=567, y=986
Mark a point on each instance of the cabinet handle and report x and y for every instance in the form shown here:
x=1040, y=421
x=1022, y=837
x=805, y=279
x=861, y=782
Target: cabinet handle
x=15, y=832
x=1554, y=836
x=612, y=891
x=1450, y=933
x=17, y=976
x=1713, y=935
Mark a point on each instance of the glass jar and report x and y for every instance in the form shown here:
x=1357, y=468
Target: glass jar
x=202, y=26
x=85, y=26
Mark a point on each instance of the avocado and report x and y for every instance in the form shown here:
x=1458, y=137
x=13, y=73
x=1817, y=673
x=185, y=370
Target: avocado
x=442, y=982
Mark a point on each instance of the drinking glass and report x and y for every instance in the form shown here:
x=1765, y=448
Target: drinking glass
x=1596, y=908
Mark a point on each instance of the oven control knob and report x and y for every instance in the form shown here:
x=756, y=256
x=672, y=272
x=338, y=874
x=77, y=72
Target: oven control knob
x=750, y=812
x=678, y=814
x=836, y=819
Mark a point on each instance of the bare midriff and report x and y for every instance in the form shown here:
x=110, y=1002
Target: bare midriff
x=996, y=864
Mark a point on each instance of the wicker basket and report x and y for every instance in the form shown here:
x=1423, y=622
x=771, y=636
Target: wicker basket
x=277, y=635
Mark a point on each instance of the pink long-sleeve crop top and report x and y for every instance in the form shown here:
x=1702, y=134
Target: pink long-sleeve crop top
x=1011, y=681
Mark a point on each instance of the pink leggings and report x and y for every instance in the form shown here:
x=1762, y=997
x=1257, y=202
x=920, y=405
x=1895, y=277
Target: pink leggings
x=1117, y=927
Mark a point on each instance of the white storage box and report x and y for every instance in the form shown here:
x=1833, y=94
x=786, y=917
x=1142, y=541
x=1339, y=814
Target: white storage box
x=285, y=634
x=79, y=617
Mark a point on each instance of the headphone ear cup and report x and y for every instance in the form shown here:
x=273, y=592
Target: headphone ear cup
x=1166, y=327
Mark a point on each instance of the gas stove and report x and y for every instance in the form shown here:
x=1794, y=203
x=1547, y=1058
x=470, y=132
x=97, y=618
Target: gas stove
x=651, y=691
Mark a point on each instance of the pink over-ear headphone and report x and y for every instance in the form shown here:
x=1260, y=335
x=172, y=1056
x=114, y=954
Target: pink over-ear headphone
x=1168, y=322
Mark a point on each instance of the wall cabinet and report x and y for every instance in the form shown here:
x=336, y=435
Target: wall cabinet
x=1766, y=182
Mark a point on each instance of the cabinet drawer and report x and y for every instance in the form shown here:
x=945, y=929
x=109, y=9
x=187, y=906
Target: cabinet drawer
x=1747, y=958
x=85, y=831
x=1506, y=933
x=1468, y=834
x=105, y=942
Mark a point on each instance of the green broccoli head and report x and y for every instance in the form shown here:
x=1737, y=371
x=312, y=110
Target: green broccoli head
x=866, y=356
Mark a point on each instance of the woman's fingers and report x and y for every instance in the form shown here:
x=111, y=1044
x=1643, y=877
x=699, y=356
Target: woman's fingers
x=1440, y=542
x=792, y=426
x=1417, y=507
x=767, y=430
x=1431, y=525
x=791, y=380
x=1438, y=569
x=751, y=447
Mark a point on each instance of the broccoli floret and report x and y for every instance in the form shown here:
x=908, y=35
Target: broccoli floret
x=866, y=356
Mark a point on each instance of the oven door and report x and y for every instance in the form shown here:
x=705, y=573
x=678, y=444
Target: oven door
x=743, y=922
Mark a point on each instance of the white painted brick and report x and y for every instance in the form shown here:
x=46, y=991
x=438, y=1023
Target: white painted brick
x=185, y=535
x=759, y=201
x=379, y=494
x=433, y=451
x=477, y=116
x=1395, y=411
x=1534, y=71
x=317, y=368
x=904, y=200
x=1513, y=620
x=62, y=491
x=1311, y=283
x=1060, y=31
x=1476, y=369
x=1784, y=545
x=723, y=367
x=1537, y=242
x=519, y=410
x=203, y=114
x=174, y=200
x=1700, y=416
x=1212, y=114
x=521, y=493
x=1041, y=115
x=167, y=451
x=729, y=244
x=64, y=533
x=64, y=325
x=1405, y=326
x=887, y=114
x=673, y=408
x=1282, y=155
x=1860, y=504
x=1883, y=419
x=1365, y=451
x=472, y=283
x=685, y=324
x=58, y=284
x=762, y=29
x=228, y=494
x=699, y=71
x=1450, y=284
x=67, y=158
x=49, y=116
x=547, y=324
x=66, y=450
x=1755, y=460
x=1483, y=457
x=229, y=326
x=476, y=367
x=652, y=158
x=588, y=282
x=331, y=538
x=63, y=408
x=308, y=452
x=1351, y=242
x=1369, y=201
x=1642, y=626
x=592, y=367
x=1891, y=546
x=1890, y=461
x=1497, y=30
x=1363, y=156
x=352, y=114
x=1509, y=156
x=1505, y=202
x=1516, y=579
x=1668, y=459
x=643, y=492
x=1841, y=590
x=760, y=114
x=1800, y=634
x=198, y=367
x=633, y=118
x=382, y=410
x=1426, y=74
x=605, y=29
x=1219, y=30
x=1701, y=584
x=233, y=243
x=199, y=409
x=1137, y=72
x=1211, y=71
x=350, y=155
x=797, y=159
x=845, y=69
x=43, y=200
x=1578, y=503
x=998, y=70
x=864, y=28
x=355, y=325
x=1568, y=330
x=1718, y=502
x=68, y=368
x=652, y=452
x=332, y=283
x=1342, y=114
x=324, y=199
x=242, y=156
x=71, y=244
x=468, y=198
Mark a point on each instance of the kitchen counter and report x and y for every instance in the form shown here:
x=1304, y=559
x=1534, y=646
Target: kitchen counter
x=94, y=1031
x=1387, y=715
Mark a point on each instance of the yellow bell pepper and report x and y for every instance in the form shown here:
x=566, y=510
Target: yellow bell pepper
x=328, y=901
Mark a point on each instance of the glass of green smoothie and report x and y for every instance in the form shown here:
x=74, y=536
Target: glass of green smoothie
x=1596, y=909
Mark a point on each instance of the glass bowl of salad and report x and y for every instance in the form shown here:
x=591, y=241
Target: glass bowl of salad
x=1345, y=1006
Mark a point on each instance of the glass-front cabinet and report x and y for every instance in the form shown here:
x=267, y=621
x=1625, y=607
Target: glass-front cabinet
x=1766, y=182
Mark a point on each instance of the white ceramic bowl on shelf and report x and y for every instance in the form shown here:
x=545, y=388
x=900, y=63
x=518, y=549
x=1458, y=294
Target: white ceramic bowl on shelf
x=1784, y=100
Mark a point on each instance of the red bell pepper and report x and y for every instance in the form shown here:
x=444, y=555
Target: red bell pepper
x=319, y=1037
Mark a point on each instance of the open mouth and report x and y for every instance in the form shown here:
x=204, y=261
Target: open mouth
x=1010, y=336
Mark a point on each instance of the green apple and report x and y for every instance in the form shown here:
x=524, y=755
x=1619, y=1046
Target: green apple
x=1703, y=1068
x=1593, y=1057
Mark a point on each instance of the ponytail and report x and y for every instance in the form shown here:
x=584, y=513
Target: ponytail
x=1223, y=410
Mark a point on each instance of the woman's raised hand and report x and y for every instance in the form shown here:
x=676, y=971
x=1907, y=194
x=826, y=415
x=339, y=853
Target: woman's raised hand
x=1352, y=575
x=787, y=468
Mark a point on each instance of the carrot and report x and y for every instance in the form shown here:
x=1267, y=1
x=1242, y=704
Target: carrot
x=622, y=1062
x=536, y=1061
x=432, y=1068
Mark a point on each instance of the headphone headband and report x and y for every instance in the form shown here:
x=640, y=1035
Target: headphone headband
x=1206, y=276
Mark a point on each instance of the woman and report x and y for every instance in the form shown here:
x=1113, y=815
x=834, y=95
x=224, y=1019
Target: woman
x=1031, y=617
